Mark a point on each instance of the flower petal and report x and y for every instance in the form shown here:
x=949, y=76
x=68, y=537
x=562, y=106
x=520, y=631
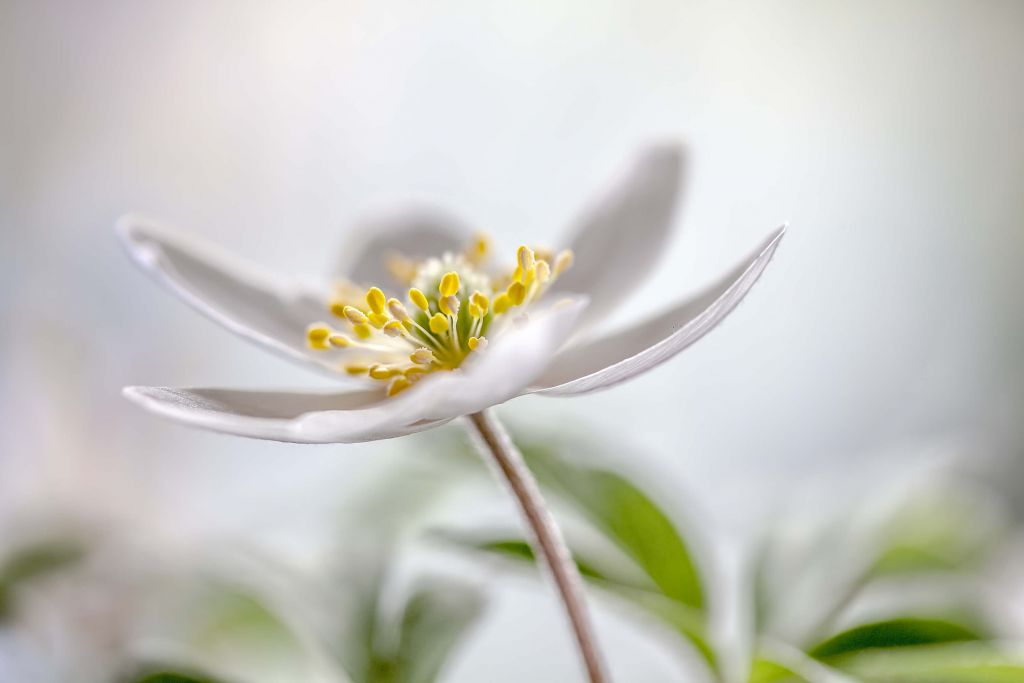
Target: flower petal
x=609, y=360
x=620, y=237
x=413, y=233
x=509, y=365
x=277, y=415
x=252, y=302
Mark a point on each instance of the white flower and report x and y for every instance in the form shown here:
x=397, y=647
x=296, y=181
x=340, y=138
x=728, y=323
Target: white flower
x=466, y=337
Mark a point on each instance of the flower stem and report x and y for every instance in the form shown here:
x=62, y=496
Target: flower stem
x=549, y=546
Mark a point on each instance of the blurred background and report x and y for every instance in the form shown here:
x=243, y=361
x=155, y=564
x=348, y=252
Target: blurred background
x=879, y=354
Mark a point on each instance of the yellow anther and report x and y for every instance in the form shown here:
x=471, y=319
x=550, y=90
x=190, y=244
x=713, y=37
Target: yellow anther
x=516, y=293
x=375, y=299
x=422, y=356
x=477, y=251
x=382, y=372
x=502, y=303
x=543, y=271
x=449, y=285
x=525, y=258
x=354, y=315
x=563, y=262
x=338, y=308
x=481, y=300
x=530, y=276
x=474, y=311
x=317, y=334
x=517, y=274
x=394, y=329
x=356, y=369
x=449, y=305
x=398, y=384
x=397, y=310
x=401, y=268
x=378, y=320
x=414, y=372
x=339, y=340
x=438, y=323
x=477, y=343
x=362, y=330
x=419, y=299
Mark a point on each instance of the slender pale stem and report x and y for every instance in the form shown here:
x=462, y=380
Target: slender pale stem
x=549, y=546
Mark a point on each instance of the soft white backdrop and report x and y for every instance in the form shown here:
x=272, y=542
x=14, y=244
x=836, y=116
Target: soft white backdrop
x=887, y=133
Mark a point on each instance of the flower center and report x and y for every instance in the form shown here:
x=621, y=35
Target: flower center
x=453, y=305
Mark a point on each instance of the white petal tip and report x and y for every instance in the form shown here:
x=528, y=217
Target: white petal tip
x=131, y=229
x=771, y=242
x=136, y=394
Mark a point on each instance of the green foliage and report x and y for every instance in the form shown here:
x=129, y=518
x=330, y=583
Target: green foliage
x=647, y=562
x=33, y=562
x=436, y=619
x=628, y=517
x=415, y=646
x=945, y=663
x=174, y=677
x=893, y=633
x=768, y=671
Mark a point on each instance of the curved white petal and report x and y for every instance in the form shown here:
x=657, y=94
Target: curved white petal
x=277, y=415
x=413, y=233
x=510, y=364
x=250, y=301
x=609, y=360
x=619, y=238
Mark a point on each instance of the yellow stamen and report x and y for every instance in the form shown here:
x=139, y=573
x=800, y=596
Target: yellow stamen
x=401, y=268
x=397, y=310
x=382, y=372
x=449, y=285
x=354, y=315
x=563, y=261
x=339, y=340
x=481, y=301
x=439, y=334
x=449, y=305
x=438, y=323
x=394, y=329
x=398, y=384
x=516, y=293
x=317, y=334
x=502, y=303
x=418, y=298
x=543, y=271
x=375, y=299
x=525, y=258
x=477, y=252
x=422, y=356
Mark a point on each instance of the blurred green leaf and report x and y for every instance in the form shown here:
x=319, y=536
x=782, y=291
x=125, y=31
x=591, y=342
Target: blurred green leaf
x=767, y=671
x=35, y=561
x=680, y=618
x=954, y=527
x=436, y=619
x=893, y=633
x=172, y=675
x=946, y=663
x=516, y=549
x=628, y=517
